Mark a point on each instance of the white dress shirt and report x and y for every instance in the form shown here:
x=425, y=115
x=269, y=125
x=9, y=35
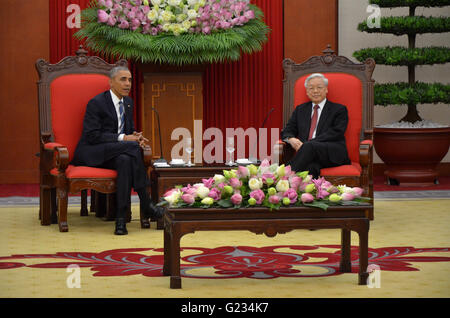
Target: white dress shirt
x=116, y=101
x=319, y=111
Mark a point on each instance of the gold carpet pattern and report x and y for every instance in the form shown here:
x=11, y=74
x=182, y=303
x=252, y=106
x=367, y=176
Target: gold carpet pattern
x=35, y=260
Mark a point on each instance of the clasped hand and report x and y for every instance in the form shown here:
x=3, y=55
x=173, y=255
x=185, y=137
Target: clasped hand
x=137, y=136
x=295, y=143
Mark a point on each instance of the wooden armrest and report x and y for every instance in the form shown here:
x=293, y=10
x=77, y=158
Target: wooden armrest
x=147, y=156
x=365, y=152
x=61, y=158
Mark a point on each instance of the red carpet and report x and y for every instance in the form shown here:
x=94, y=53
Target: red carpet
x=32, y=190
x=231, y=261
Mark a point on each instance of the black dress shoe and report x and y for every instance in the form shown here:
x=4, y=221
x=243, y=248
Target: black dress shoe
x=154, y=212
x=121, y=228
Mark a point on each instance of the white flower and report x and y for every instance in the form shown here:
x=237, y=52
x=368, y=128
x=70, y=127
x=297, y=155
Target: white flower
x=174, y=3
x=218, y=179
x=255, y=183
x=152, y=15
x=167, y=16
x=192, y=2
x=282, y=185
x=192, y=14
x=186, y=25
x=156, y=2
x=173, y=197
x=202, y=192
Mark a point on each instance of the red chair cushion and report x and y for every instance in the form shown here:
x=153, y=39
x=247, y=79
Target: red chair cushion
x=346, y=170
x=52, y=145
x=77, y=172
x=344, y=89
x=69, y=96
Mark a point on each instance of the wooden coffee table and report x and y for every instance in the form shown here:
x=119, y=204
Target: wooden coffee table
x=178, y=222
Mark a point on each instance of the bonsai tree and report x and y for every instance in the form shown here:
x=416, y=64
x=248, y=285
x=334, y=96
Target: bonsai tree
x=412, y=92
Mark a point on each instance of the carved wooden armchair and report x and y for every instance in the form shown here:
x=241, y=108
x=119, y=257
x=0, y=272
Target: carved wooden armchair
x=64, y=90
x=350, y=84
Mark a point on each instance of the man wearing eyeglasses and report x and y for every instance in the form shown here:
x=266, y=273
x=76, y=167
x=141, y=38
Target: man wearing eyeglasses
x=316, y=130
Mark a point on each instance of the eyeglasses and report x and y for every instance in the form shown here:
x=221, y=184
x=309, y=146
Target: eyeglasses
x=313, y=88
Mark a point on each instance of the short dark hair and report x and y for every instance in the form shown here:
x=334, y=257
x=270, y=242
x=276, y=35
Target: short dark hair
x=117, y=69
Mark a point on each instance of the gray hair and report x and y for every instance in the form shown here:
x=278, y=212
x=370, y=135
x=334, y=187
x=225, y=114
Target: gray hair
x=117, y=69
x=316, y=75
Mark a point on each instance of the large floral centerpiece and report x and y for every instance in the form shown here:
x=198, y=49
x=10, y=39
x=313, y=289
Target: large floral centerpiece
x=271, y=186
x=173, y=31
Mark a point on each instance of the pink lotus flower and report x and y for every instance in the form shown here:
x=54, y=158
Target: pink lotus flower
x=274, y=199
x=236, y=199
x=295, y=182
x=268, y=175
x=208, y=182
x=307, y=198
x=357, y=191
x=242, y=172
x=258, y=195
x=321, y=193
x=124, y=24
x=249, y=14
x=189, y=190
x=188, y=198
x=111, y=21
x=291, y=194
x=347, y=196
x=215, y=194
x=102, y=16
x=235, y=182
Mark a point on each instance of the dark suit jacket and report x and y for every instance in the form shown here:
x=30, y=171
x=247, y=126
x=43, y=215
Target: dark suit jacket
x=330, y=130
x=100, y=129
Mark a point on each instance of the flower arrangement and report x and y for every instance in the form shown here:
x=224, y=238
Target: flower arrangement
x=174, y=31
x=271, y=186
x=174, y=16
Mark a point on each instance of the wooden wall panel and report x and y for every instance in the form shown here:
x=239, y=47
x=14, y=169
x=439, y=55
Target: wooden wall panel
x=309, y=26
x=178, y=99
x=24, y=38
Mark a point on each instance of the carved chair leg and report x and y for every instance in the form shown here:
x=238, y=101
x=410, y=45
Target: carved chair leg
x=84, y=210
x=54, y=206
x=45, y=206
x=93, y=200
x=62, y=210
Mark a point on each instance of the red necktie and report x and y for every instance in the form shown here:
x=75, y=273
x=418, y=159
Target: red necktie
x=313, y=121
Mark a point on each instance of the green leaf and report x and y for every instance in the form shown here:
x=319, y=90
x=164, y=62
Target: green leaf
x=225, y=203
x=317, y=204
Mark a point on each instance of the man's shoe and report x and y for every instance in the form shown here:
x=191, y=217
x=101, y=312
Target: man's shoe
x=154, y=212
x=121, y=228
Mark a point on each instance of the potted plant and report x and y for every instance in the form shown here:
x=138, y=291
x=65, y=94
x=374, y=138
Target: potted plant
x=412, y=148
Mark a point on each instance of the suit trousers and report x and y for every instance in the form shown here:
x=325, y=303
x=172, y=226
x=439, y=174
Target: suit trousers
x=312, y=156
x=126, y=158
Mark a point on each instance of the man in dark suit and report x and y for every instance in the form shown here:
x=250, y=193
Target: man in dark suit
x=109, y=140
x=316, y=130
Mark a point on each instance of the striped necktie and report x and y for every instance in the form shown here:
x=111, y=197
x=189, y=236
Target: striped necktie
x=122, y=117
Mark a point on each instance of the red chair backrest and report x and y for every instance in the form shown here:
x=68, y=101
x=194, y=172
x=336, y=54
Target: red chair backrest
x=343, y=89
x=69, y=96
